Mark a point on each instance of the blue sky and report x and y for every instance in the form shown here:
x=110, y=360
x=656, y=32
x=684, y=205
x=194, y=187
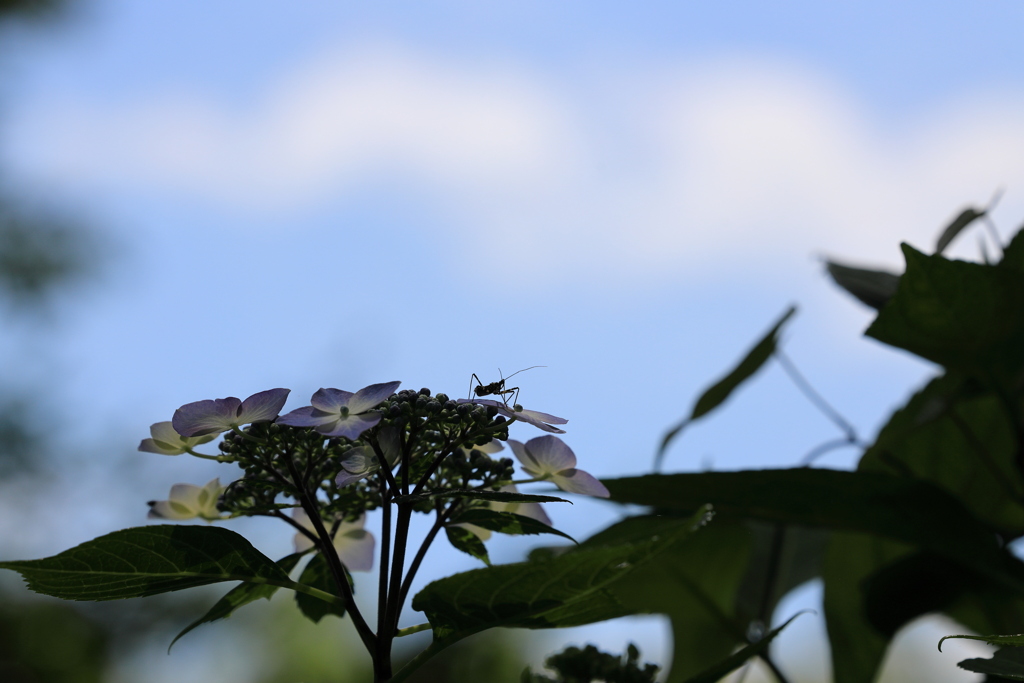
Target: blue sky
x=334, y=194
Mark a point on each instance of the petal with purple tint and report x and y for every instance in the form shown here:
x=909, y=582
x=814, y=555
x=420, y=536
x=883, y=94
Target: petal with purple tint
x=206, y=417
x=371, y=396
x=331, y=400
x=263, y=406
x=350, y=427
x=355, y=548
x=166, y=441
x=546, y=454
x=578, y=481
x=307, y=416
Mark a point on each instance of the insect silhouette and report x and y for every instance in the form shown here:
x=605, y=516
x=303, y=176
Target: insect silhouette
x=498, y=388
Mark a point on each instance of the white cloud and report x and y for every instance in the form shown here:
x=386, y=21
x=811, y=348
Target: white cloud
x=741, y=157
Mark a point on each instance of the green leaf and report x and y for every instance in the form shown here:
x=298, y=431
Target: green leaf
x=956, y=435
x=493, y=496
x=964, y=316
x=1013, y=253
x=857, y=647
x=465, y=540
x=318, y=575
x=738, y=658
x=238, y=596
x=694, y=583
x=1006, y=662
x=782, y=558
x=963, y=219
x=149, y=560
x=871, y=287
x=568, y=590
x=506, y=523
x=1015, y=640
x=715, y=395
x=887, y=506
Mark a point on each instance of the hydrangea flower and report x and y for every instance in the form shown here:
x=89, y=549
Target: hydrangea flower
x=223, y=414
x=187, y=501
x=341, y=413
x=352, y=542
x=492, y=446
x=533, y=510
x=166, y=441
x=534, y=417
x=547, y=457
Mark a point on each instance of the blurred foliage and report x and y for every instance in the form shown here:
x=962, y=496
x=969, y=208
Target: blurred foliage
x=51, y=643
x=575, y=665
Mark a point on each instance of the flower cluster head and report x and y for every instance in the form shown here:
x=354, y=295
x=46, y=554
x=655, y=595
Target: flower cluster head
x=166, y=441
x=187, y=501
x=548, y=458
x=352, y=542
x=341, y=413
x=225, y=414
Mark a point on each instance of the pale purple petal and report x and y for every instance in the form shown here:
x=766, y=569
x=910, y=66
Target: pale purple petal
x=519, y=450
x=355, y=548
x=345, y=478
x=263, y=406
x=578, y=481
x=551, y=454
x=481, y=402
x=164, y=509
x=206, y=417
x=533, y=511
x=331, y=400
x=307, y=416
x=527, y=416
x=543, y=417
x=350, y=427
x=371, y=396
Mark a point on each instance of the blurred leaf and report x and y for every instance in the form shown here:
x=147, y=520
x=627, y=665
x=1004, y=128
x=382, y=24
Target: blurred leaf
x=782, y=558
x=956, y=435
x=956, y=226
x=318, y=575
x=740, y=657
x=568, y=590
x=961, y=315
x=1007, y=662
x=51, y=643
x=506, y=523
x=238, y=596
x=694, y=583
x=1013, y=253
x=149, y=560
x=912, y=586
x=715, y=395
x=871, y=287
x=465, y=540
x=857, y=647
x=891, y=507
x=493, y=496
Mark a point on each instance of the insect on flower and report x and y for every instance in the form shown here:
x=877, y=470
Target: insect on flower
x=498, y=388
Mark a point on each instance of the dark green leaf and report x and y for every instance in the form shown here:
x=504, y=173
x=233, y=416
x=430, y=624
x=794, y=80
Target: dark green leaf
x=888, y=506
x=782, y=558
x=318, y=575
x=738, y=658
x=1013, y=253
x=694, y=583
x=506, y=523
x=1015, y=640
x=956, y=435
x=871, y=287
x=964, y=316
x=965, y=218
x=493, y=496
x=1007, y=662
x=857, y=647
x=238, y=596
x=149, y=560
x=568, y=590
x=465, y=540
x=721, y=390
